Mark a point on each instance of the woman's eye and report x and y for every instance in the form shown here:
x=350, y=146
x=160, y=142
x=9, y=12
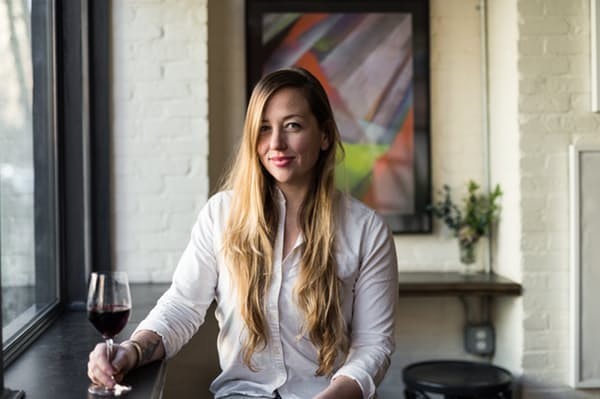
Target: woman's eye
x=264, y=129
x=293, y=125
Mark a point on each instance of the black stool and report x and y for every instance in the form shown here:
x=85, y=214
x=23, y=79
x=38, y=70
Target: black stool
x=456, y=380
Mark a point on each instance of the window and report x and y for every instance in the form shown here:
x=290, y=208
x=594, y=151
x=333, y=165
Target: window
x=54, y=161
x=28, y=196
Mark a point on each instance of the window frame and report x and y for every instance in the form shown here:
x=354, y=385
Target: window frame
x=71, y=120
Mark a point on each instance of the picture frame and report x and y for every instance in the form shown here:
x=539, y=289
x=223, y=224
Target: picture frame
x=584, y=159
x=372, y=57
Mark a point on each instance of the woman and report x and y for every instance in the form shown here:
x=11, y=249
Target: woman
x=304, y=277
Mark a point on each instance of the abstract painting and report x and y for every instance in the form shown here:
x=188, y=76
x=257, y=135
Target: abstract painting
x=368, y=60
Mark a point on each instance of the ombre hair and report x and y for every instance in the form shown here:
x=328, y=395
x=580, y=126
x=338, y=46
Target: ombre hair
x=252, y=227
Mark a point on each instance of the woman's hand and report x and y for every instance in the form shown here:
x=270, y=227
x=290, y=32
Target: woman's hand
x=341, y=387
x=101, y=372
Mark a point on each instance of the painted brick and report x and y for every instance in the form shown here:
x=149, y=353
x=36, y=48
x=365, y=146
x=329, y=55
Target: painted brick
x=181, y=108
x=580, y=102
x=154, y=114
x=182, y=70
x=537, y=340
x=535, y=359
x=539, y=26
x=545, y=103
x=536, y=322
x=531, y=143
x=570, y=84
x=565, y=7
x=532, y=7
x=586, y=123
x=150, y=15
x=564, y=45
x=548, y=261
x=535, y=241
x=544, y=66
x=531, y=84
x=161, y=90
x=176, y=203
x=148, y=222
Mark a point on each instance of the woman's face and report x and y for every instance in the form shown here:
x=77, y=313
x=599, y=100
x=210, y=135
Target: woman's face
x=290, y=140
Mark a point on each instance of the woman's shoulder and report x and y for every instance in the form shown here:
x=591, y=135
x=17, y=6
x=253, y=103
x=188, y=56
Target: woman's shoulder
x=216, y=204
x=220, y=197
x=356, y=215
x=353, y=208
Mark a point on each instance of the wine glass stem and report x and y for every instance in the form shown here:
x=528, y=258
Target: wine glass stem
x=109, y=349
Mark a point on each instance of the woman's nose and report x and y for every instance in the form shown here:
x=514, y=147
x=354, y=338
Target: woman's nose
x=277, y=139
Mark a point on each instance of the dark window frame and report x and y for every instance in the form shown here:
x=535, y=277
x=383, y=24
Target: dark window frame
x=72, y=125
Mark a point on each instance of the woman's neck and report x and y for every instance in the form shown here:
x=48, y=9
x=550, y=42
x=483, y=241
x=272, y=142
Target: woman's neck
x=293, y=203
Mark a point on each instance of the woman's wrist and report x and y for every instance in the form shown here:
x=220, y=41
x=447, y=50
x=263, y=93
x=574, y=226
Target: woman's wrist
x=136, y=348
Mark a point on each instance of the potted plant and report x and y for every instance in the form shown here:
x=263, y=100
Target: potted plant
x=469, y=223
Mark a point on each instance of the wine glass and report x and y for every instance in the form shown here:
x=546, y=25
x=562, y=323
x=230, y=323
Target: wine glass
x=108, y=307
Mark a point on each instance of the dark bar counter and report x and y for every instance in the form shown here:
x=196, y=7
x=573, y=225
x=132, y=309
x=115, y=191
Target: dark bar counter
x=55, y=365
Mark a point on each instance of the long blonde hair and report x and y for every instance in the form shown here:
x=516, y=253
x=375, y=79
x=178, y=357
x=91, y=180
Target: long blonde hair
x=252, y=225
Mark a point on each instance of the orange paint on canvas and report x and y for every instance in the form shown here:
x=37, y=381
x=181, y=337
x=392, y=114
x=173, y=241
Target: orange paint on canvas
x=304, y=23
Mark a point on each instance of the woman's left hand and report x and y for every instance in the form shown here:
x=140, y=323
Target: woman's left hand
x=341, y=387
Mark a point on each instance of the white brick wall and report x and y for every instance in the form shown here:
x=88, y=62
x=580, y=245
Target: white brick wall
x=553, y=111
x=160, y=131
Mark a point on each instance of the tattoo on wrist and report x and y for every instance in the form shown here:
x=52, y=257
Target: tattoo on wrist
x=149, y=350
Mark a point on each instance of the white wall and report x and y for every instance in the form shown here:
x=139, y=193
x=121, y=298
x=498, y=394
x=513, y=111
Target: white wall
x=553, y=111
x=160, y=131
x=502, y=37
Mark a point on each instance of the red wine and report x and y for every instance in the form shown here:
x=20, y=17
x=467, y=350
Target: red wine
x=109, y=320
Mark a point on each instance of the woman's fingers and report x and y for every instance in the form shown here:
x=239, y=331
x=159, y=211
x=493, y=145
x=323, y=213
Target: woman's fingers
x=122, y=360
x=100, y=371
x=106, y=373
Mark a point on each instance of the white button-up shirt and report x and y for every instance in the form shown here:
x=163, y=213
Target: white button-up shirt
x=366, y=262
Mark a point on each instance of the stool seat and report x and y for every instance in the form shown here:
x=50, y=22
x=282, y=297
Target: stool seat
x=457, y=379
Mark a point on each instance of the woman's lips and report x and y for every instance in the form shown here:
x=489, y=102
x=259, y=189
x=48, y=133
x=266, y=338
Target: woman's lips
x=281, y=161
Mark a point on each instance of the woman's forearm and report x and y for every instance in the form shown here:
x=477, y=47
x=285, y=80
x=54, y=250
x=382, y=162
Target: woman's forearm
x=341, y=387
x=151, y=345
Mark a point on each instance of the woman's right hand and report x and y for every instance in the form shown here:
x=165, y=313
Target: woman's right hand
x=101, y=372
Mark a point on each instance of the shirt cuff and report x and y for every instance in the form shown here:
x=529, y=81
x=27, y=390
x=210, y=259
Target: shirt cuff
x=362, y=378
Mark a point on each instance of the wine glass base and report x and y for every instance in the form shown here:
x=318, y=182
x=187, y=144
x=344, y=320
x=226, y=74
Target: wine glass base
x=100, y=390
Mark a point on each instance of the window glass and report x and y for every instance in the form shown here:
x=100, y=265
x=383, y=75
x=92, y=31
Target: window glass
x=27, y=199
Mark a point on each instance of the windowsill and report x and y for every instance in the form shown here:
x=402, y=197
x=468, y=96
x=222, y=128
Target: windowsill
x=55, y=365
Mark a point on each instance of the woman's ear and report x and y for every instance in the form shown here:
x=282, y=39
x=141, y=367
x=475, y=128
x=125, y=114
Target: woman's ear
x=325, y=138
x=324, y=141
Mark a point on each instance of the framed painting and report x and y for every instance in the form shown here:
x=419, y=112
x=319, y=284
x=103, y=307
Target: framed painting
x=372, y=57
